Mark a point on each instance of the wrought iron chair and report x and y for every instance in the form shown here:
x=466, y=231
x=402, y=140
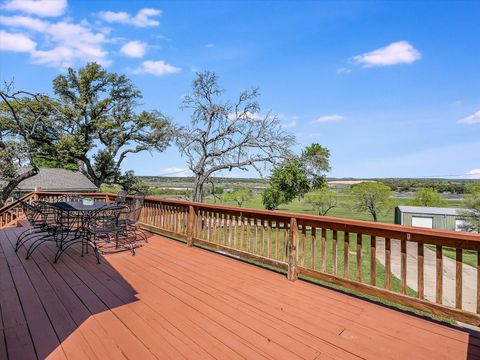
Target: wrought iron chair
x=36, y=221
x=102, y=225
x=121, y=198
x=45, y=226
x=129, y=219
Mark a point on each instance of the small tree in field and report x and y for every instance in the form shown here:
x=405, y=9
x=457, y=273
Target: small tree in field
x=239, y=195
x=471, y=216
x=296, y=177
x=323, y=201
x=225, y=135
x=428, y=197
x=372, y=197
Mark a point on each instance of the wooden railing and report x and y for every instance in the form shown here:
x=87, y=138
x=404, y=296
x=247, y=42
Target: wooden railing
x=12, y=212
x=314, y=247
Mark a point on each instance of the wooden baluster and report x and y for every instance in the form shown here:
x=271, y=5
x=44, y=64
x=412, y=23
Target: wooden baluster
x=235, y=230
x=324, y=250
x=215, y=228
x=285, y=241
x=478, y=282
x=313, y=244
x=403, y=266
x=225, y=228
x=358, y=273
x=191, y=225
x=334, y=252
x=269, y=240
x=458, y=278
x=388, y=264
x=255, y=242
x=262, y=237
x=421, y=271
x=242, y=231
x=292, y=247
x=373, y=260
x=208, y=225
x=346, y=254
x=277, y=239
x=304, y=244
x=248, y=234
x=439, y=274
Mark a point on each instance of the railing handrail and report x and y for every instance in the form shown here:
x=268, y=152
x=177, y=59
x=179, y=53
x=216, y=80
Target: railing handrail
x=15, y=202
x=400, y=232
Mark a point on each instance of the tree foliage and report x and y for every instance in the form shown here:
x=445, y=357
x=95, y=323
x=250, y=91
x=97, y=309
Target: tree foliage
x=226, y=135
x=239, y=195
x=297, y=176
x=323, y=201
x=26, y=134
x=99, y=124
x=372, y=197
x=428, y=197
x=471, y=214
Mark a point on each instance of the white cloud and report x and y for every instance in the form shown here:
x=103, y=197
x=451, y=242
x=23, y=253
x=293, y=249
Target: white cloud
x=141, y=19
x=157, y=68
x=16, y=42
x=344, y=70
x=289, y=125
x=474, y=173
x=134, y=49
x=471, y=119
x=209, y=46
x=64, y=43
x=329, y=118
x=37, y=7
x=401, y=52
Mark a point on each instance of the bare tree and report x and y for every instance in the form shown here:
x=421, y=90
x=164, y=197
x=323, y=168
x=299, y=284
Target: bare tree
x=25, y=133
x=223, y=135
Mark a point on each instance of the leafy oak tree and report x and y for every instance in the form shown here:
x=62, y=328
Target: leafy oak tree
x=227, y=135
x=27, y=134
x=372, y=197
x=428, y=197
x=323, y=201
x=297, y=176
x=100, y=126
x=239, y=195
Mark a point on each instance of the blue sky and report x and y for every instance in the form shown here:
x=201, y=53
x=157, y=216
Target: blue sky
x=391, y=88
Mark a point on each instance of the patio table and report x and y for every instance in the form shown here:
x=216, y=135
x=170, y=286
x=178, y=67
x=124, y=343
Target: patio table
x=74, y=215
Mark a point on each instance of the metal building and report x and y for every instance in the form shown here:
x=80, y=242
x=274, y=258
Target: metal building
x=429, y=217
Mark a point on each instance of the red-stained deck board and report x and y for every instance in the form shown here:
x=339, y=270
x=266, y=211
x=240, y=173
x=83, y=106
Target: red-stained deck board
x=173, y=302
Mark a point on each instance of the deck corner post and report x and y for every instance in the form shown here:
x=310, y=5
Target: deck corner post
x=191, y=225
x=292, y=273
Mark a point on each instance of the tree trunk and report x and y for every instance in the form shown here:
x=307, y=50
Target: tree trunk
x=12, y=184
x=197, y=193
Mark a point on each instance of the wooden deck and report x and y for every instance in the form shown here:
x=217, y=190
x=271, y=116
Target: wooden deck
x=171, y=301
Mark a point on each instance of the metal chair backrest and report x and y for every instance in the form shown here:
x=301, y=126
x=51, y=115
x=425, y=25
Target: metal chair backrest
x=121, y=197
x=31, y=212
x=70, y=198
x=105, y=219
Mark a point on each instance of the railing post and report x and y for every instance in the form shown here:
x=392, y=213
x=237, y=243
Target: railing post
x=192, y=221
x=292, y=274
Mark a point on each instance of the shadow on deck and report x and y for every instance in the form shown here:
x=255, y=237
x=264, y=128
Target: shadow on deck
x=171, y=301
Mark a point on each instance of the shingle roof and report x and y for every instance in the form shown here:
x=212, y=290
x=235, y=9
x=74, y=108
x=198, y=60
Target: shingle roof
x=58, y=180
x=430, y=210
